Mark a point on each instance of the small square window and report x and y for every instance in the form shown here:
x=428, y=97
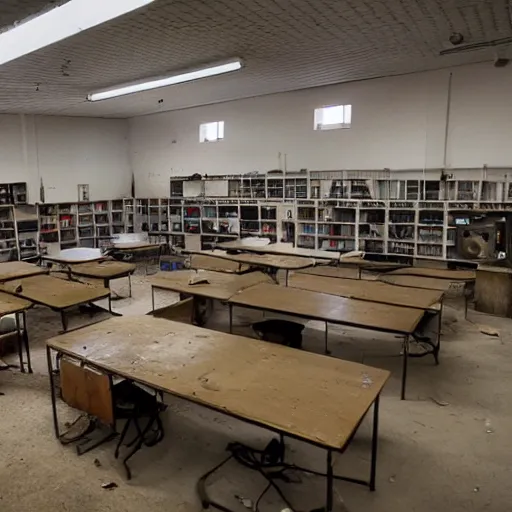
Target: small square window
x=333, y=117
x=211, y=132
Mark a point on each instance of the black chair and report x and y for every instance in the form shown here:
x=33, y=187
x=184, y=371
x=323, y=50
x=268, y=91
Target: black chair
x=134, y=404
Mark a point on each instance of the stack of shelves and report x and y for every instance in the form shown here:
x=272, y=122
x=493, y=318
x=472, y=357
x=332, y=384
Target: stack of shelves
x=401, y=228
x=9, y=244
x=82, y=224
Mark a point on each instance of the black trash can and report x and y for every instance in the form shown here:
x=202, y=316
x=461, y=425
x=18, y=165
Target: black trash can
x=278, y=331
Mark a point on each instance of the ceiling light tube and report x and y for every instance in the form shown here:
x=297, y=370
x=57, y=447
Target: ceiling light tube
x=60, y=23
x=156, y=83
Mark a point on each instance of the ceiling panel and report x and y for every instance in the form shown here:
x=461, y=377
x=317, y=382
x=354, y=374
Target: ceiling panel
x=286, y=45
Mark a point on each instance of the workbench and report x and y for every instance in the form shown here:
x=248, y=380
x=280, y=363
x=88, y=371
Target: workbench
x=331, y=309
x=57, y=294
x=319, y=400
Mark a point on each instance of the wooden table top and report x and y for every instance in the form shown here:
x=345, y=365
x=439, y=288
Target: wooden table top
x=436, y=273
x=198, y=260
x=428, y=283
x=369, y=264
x=222, y=285
x=497, y=270
x=316, y=398
x=372, y=291
x=18, y=269
x=106, y=269
x=280, y=248
x=10, y=304
x=329, y=308
x=328, y=271
x=135, y=246
x=279, y=261
x=53, y=292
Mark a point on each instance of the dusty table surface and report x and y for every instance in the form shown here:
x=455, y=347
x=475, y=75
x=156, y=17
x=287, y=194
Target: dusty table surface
x=106, y=269
x=279, y=261
x=372, y=291
x=369, y=264
x=135, y=246
x=221, y=285
x=497, y=270
x=203, y=260
x=316, y=398
x=428, y=283
x=10, y=304
x=436, y=273
x=18, y=269
x=54, y=292
x=347, y=272
x=329, y=308
x=280, y=248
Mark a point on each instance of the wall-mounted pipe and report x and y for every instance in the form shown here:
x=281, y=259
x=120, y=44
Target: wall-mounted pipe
x=447, y=123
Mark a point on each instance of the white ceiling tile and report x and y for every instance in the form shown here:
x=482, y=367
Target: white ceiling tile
x=286, y=45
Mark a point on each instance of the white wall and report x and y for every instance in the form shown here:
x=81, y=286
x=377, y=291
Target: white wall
x=397, y=123
x=64, y=152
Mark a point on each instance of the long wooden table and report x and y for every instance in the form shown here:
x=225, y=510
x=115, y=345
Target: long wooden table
x=316, y=399
x=11, y=305
x=331, y=309
x=107, y=270
x=221, y=285
x=330, y=271
x=427, y=283
x=58, y=294
x=17, y=269
x=273, y=262
x=436, y=273
x=280, y=248
x=372, y=291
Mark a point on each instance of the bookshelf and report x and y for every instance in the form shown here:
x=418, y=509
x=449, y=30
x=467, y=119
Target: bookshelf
x=83, y=224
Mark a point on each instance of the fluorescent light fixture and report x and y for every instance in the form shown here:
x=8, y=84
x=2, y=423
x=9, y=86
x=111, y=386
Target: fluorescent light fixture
x=218, y=69
x=60, y=23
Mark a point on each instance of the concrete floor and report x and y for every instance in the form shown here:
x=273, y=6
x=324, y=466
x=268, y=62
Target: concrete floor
x=446, y=448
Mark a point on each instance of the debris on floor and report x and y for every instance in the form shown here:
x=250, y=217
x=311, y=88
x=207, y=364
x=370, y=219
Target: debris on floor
x=109, y=485
x=441, y=403
x=489, y=331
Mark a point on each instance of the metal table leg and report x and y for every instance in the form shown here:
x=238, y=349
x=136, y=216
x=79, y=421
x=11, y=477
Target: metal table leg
x=330, y=481
x=404, y=367
x=26, y=342
x=130, y=285
x=64, y=320
x=230, y=307
x=20, y=342
x=52, y=392
x=375, y=441
x=437, y=348
x=152, y=298
x=326, y=349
